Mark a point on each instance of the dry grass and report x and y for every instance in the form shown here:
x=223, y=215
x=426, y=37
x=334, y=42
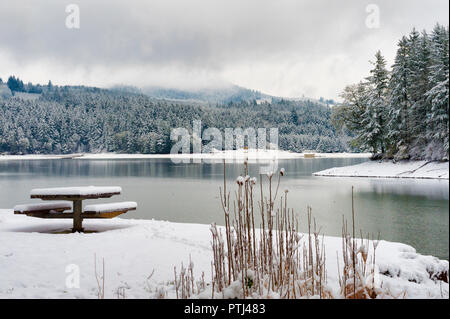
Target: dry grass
x=100, y=279
x=358, y=276
x=269, y=261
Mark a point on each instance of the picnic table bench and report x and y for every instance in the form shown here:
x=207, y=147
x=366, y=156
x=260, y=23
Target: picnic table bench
x=72, y=197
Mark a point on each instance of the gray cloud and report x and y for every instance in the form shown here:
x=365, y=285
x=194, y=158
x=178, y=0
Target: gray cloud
x=282, y=47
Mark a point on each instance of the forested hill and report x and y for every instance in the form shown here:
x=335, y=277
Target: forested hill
x=85, y=119
x=213, y=95
x=224, y=95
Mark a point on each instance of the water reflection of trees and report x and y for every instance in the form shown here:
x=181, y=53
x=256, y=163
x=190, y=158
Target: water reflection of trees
x=163, y=168
x=430, y=189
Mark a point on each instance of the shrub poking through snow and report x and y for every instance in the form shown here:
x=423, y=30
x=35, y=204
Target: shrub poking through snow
x=358, y=276
x=100, y=279
x=185, y=285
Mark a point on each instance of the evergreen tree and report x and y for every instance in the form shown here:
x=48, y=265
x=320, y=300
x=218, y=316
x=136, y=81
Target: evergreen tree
x=398, y=137
x=437, y=96
x=374, y=117
x=294, y=117
x=419, y=59
x=15, y=84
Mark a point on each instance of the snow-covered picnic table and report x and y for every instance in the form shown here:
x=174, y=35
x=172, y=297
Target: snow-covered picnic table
x=76, y=195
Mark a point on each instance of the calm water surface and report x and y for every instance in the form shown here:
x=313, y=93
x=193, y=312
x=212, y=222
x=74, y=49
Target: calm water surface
x=415, y=212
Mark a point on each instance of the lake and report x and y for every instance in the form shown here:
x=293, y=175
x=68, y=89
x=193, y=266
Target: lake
x=415, y=212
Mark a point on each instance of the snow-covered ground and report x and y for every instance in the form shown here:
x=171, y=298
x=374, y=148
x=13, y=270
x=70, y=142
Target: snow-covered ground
x=219, y=155
x=389, y=169
x=28, y=157
x=38, y=257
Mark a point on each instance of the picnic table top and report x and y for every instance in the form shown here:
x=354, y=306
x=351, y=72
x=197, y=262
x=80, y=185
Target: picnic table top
x=75, y=193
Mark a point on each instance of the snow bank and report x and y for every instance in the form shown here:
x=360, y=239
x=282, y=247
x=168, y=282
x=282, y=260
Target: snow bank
x=389, y=169
x=39, y=258
x=76, y=191
x=27, y=157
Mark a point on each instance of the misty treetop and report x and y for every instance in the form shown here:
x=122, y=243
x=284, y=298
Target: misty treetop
x=73, y=119
x=403, y=112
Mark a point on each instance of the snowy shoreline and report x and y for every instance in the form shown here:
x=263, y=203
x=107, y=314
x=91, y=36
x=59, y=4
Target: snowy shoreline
x=388, y=169
x=38, y=255
x=264, y=155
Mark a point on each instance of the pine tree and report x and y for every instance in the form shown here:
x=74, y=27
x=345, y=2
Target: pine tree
x=294, y=117
x=15, y=84
x=419, y=64
x=437, y=96
x=376, y=108
x=399, y=102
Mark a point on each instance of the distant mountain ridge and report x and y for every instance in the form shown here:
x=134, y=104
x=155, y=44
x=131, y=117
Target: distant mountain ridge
x=220, y=95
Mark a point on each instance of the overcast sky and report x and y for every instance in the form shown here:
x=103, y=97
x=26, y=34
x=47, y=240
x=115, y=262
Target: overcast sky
x=280, y=47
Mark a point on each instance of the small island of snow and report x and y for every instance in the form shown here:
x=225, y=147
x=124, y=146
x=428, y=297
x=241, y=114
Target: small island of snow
x=390, y=169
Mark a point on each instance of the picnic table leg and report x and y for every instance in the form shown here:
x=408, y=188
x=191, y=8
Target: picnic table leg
x=77, y=219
